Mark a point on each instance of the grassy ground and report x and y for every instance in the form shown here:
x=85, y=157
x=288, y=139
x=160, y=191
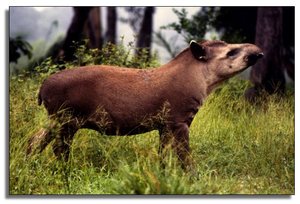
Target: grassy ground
x=237, y=148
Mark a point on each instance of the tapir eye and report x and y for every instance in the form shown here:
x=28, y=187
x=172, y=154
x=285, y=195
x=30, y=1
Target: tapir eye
x=233, y=52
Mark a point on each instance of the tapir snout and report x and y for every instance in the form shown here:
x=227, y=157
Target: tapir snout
x=253, y=57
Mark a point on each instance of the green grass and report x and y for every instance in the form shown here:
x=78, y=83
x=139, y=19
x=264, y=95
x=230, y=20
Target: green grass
x=237, y=148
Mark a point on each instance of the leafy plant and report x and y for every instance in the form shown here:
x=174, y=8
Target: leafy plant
x=196, y=27
x=112, y=54
x=18, y=46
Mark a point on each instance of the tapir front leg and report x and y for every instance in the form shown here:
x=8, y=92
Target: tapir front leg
x=165, y=140
x=181, y=143
x=176, y=136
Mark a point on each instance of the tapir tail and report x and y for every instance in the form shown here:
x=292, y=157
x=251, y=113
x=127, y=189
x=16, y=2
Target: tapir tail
x=40, y=100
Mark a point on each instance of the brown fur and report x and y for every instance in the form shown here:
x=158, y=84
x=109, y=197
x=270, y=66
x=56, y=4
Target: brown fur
x=123, y=101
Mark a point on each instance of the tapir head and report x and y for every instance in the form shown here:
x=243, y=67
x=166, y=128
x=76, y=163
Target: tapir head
x=225, y=60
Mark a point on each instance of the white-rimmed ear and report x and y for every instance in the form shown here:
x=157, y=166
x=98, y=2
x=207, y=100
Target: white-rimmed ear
x=197, y=50
x=192, y=41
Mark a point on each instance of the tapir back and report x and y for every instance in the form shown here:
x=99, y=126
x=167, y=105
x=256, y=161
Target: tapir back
x=127, y=95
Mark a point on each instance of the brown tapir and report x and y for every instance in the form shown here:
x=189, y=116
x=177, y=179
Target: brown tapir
x=123, y=101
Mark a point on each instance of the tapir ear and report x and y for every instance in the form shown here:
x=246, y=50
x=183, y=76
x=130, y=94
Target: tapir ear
x=198, y=51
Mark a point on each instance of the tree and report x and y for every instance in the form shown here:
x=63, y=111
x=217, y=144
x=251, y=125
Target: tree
x=86, y=24
x=145, y=34
x=135, y=17
x=289, y=40
x=268, y=74
x=111, y=20
x=93, y=28
x=75, y=31
x=236, y=24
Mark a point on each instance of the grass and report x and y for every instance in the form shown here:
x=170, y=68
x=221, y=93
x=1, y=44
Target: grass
x=237, y=148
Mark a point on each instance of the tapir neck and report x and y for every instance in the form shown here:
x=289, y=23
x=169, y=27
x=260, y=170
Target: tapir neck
x=196, y=76
x=187, y=73
x=211, y=79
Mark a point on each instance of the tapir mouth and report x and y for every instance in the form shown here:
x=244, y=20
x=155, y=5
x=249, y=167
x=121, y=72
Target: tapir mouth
x=252, y=58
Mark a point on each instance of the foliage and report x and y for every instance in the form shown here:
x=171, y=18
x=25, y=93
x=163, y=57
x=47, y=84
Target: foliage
x=119, y=55
x=196, y=27
x=111, y=54
x=40, y=52
x=232, y=24
x=17, y=46
x=236, y=24
x=48, y=67
x=237, y=148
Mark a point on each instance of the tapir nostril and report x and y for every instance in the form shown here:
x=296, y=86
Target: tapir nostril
x=253, y=57
x=260, y=55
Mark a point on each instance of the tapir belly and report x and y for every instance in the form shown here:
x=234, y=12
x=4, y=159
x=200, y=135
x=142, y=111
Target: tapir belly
x=117, y=130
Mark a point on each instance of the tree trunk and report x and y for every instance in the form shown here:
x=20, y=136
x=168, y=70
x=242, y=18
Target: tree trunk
x=75, y=31
x=268, y=74
x=111, y=25
x=93, y=28
x=145, y=34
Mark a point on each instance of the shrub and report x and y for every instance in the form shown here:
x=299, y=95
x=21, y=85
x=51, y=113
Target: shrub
x=112, y=54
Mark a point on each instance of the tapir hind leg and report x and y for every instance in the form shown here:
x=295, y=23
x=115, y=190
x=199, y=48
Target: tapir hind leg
x=181, y=144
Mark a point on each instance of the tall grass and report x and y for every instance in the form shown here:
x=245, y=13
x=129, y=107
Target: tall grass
x=237, y=148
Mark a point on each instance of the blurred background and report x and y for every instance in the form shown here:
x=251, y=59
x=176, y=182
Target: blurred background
x=37, y=33
x=45, y=27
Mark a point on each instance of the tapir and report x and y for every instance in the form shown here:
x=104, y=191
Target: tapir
x=126, y=101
